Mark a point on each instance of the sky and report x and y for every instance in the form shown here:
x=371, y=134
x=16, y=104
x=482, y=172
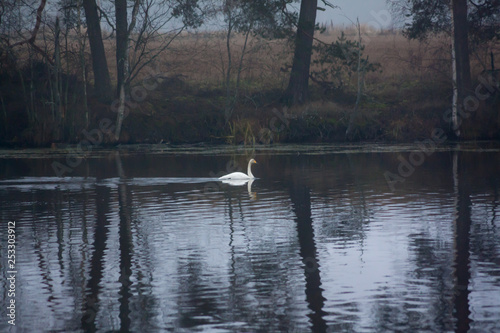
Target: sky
x=351, y=9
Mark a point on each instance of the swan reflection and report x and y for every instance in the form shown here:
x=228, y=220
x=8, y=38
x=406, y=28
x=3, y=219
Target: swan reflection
x=240, y=182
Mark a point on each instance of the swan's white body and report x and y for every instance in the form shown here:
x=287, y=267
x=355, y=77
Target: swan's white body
x=240, y=175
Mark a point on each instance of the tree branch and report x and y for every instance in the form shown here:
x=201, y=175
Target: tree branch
x=37, y=25
x=138, y=67
x=134, y=17
x=32, y=38
x=103, y=13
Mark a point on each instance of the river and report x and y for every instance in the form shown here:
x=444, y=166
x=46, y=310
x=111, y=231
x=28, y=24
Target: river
x=328, y=238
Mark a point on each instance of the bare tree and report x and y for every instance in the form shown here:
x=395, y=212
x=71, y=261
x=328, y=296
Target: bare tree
x=31, y=40
x=102, y=81
x=240, y=21
x=155, y=31
x=123, y=31
x=147, y=24
x=460, y=57
x=81, y=56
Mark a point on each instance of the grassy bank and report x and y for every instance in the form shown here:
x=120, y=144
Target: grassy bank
x=183, y=97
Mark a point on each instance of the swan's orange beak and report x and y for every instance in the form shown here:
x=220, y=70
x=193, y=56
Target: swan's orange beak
x=255, y=161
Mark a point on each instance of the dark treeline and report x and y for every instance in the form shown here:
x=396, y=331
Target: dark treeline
x=74, y=67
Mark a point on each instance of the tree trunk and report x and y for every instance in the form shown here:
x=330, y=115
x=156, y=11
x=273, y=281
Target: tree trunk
x=123, y=31
x=461, y=55
x=102, y=82
x=121, y=60
x=240, y=66
x=121, y=42
x=361, y=80
x=59, y=116
x=229, y=99
x=81, y=40
x=298, y=87
x=121, y=111
x=454, y=100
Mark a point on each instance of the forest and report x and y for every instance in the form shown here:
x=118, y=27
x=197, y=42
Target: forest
x=247, y=72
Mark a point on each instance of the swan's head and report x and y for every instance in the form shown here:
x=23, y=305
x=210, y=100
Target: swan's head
x=252, y=161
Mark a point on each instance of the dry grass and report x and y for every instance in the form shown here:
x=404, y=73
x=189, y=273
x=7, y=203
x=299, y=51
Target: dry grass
x=402, y=101
x=201, y=59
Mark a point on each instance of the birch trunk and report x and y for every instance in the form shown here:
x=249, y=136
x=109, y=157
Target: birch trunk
x=461, y=62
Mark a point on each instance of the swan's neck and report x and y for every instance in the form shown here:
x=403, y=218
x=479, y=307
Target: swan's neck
x=249, y=171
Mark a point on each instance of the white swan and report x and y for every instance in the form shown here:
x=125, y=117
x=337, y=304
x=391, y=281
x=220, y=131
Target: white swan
x=241, y=175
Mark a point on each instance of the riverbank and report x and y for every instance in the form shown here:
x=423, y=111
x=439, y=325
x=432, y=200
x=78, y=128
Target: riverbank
x=184, y=99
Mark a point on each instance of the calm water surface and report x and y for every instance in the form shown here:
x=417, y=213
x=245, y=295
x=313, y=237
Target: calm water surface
x=152, y=242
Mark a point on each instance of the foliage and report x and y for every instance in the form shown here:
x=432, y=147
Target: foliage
x=426, y=17
x=268, y=19
x=189, y=11
x=338, y=61
x=484, y=20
